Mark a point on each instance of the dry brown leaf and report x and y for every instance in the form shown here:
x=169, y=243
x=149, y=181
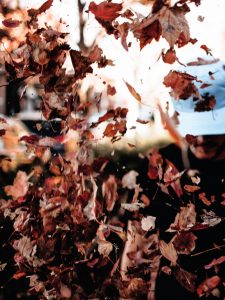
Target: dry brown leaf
x=133, y=92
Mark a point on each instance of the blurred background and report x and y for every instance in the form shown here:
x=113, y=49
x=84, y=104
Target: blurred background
x=143, y=69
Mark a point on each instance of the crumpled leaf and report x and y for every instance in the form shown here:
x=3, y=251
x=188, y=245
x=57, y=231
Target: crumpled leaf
x=181, y=84
x=104, y=247
x=168, y=251
x=135, y=288
x=148, y=223
x=184, y=242
x=132, y=206
x=129, y=180
x=210, y=218
x=109, y=192
x=206, y=287
x=168, y=22
x=185, y=219
x=20, y=186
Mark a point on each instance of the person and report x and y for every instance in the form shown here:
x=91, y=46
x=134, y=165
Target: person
x=186, y=200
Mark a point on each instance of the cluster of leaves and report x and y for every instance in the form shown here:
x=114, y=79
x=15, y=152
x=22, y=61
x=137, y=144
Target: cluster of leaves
x=70, y=215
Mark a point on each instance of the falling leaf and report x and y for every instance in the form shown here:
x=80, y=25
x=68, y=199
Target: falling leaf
x=181, y=84
x=20, y=186
x=65, y=291
x=207, y=104
x=89, y=209
x=19, y=274
x=207, y=50
x=168, y=251
x=148, y=223
x=10, y=23
x=104, y=247
x=106, y=11
x=210, y=218
x=129, y=180
x=208, y=285
x=132, y=206
x=109, y=192
x=203, y=198
x=215, y=262
x=133, y=92
x=191, y=188
x=186, y=279
x=184, y=242
x=169, y=57
x=168, y=22
x=185, y=219
x=111, y=91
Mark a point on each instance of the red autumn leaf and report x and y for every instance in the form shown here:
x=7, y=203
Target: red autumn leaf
x=207, y=50
x=133, y=92
x=19, y=275
x=87, y=135
x=168, y=22
x=184, y=242
x=186, y=279
x=169, y=57
x=154, y=164
x=2, y=132
x=111, y=90
x=148, y=33
x=215, y=262
x=106, y=11
x=208, y=285
x=81, y=64
x=181, y=84
x=142, y=121
x=207, y=104
x=112, y=129
x=203, y=198
x=45, y=6
x=191, y=188
x=10, y=23
x=31, y=139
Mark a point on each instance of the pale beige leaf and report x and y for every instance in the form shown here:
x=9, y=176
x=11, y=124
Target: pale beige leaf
x=104, y=247
x=148, y=223
x=168, y=251
x=20, y=186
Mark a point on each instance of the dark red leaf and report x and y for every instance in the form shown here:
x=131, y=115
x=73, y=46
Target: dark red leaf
x=106, y=11
x=10, y=23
